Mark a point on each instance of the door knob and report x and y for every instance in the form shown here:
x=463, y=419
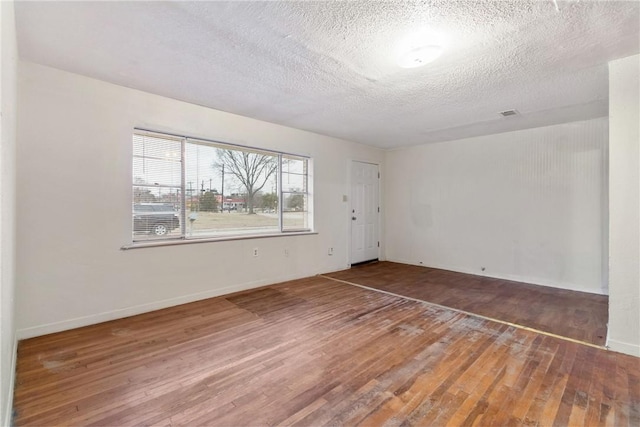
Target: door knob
x=353, y=218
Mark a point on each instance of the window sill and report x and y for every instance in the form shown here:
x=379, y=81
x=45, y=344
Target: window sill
x=153, y=244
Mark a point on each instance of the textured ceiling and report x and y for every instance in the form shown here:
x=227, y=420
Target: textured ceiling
x=330, y=67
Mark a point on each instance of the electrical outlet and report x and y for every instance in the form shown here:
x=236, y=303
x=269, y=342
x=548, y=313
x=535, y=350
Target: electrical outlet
x=286, y=251
x=255, y=252
x=330, y=251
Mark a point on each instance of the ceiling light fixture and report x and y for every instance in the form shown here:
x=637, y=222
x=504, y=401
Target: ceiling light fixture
x=419, y=56
x=420, y=48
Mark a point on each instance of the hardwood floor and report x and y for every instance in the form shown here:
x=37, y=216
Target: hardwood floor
x=318, y=352
x=577, y=315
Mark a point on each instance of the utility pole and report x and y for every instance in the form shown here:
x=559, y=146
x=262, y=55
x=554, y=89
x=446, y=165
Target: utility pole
x=222, y=193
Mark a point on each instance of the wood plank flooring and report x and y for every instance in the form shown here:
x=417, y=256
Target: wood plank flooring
x=578, y=315
x=319, y=352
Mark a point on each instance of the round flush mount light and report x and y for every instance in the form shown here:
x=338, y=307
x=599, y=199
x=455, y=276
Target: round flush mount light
x=420, y=48
x=419, y=56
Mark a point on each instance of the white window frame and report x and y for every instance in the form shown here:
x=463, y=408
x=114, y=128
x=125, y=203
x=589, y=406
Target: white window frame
x=183, y=140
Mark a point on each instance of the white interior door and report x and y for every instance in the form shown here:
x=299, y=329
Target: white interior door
x=364, y=212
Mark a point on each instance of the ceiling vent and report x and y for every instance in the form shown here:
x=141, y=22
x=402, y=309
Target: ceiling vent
x=508, y=113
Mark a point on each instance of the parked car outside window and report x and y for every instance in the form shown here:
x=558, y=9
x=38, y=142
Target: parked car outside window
x=155, y=218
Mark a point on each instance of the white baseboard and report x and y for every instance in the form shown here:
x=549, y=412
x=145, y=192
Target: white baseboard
x=624, y=347
x=79, y=322
x=7, y=417
x=511, y=277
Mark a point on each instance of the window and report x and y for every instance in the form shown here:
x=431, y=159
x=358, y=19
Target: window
x=189, y=188
x=295, y=195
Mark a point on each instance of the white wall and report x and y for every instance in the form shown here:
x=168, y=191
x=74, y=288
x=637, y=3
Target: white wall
x=624, y=205
x=525, y=205
x=74, y=203
x=8, y=85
